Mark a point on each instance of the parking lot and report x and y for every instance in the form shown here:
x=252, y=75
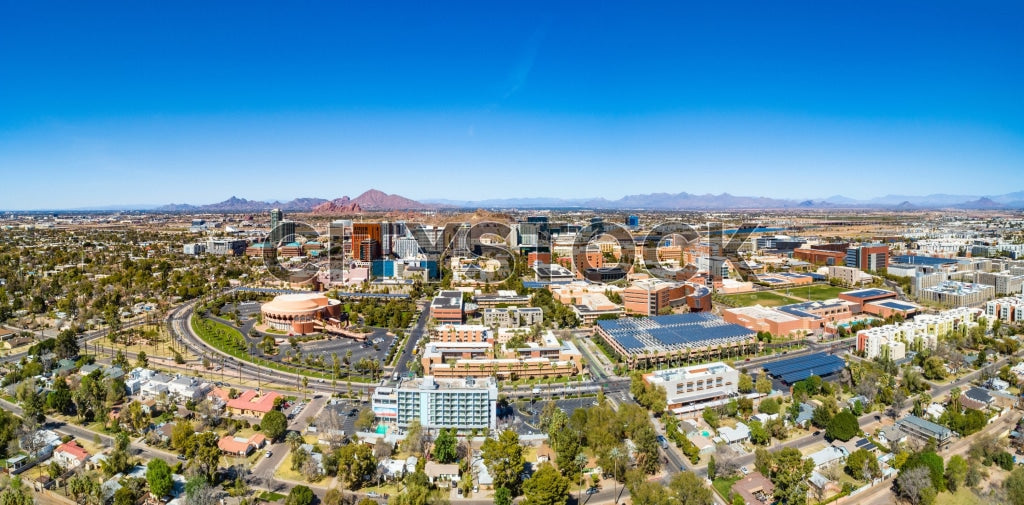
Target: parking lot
x=342, y=345
x=524, y=416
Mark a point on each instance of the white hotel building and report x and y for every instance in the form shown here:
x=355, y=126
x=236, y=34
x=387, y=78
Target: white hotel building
x=690, y=389
x=464, y=404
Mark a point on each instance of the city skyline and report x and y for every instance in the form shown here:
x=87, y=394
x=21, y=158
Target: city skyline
x=193, y=104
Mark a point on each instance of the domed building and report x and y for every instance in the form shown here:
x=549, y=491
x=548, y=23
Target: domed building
x=298, y=313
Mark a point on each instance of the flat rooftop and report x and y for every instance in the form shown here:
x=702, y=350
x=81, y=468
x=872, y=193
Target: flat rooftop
x=864, y=294
x=678, y=331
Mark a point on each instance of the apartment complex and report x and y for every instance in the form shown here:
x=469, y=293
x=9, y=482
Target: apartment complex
x=922, y=332
x=690, y=389
x=1007, y=310
x=958, y=294
x=464, y=404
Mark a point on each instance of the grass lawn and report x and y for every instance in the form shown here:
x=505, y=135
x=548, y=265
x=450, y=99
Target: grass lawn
x=269, y=496
x=763, y=298
x=962, y=496
x=530, y=454
x=724, y=486
x=284, y=470
x=815, y=293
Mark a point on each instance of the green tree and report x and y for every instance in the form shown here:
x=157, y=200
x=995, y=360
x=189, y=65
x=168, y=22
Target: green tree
x=710, y=417
x=60, y=398
x=763, y=384
x=1014, y=486
x=67, y=344
x=843, y=426
x=763, y=461
x=956, y=472
x=299, y=495
x=931, y=461
x=504, y=459
x=274, y=424
x=768, y=406
x=180, y=434
x=355, y=462
x=16, y=493
x=758, y=435
x=821, y=417
x=158, y=476
x=934, y=368
x=366, y=419
x=502, y=496
x=790, y=474
x=688, y=489
x=413, y=442
x=445, y=446
x=863, y=465
x=120, y=360
x=746, y=384
x=141, y=360
x=546, y=486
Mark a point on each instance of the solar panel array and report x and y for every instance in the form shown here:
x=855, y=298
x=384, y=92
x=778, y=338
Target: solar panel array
x=869, y=293
x=673, y=332
x=896, y=305
x=797, y=369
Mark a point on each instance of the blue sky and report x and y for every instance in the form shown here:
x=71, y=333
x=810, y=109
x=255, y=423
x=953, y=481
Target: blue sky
x=158, y=102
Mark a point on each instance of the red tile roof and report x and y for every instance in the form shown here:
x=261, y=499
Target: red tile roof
x=249, y=401
x=73, y=449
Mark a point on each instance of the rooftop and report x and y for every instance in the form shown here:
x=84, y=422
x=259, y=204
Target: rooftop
x=672, y=332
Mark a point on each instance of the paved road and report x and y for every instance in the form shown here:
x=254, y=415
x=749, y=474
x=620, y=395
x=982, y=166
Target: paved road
x=138, y=449
x=418, y=331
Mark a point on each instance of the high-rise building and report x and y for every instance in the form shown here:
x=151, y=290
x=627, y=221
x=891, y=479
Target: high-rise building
x=363, y=231
x=276, y=216
x=406, y=248
x=870, y=258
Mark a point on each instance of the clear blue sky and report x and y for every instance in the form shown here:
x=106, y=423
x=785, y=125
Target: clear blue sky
x=158, y=102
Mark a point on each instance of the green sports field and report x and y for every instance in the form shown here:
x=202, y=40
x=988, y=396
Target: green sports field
x=763, y=298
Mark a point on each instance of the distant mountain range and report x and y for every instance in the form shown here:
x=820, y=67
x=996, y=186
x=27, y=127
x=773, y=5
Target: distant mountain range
x=687, y=201
x=372, y=200
x=378, y=201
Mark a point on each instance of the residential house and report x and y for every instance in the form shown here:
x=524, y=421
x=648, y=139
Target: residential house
x=976, y=398
x=70, y=455
x=732, y=435
x=238, y=446
x=754, y=489
x=438, y=472
x=829, y=455
x=251, y=403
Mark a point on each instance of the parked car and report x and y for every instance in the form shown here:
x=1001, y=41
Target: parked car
x=269, y=454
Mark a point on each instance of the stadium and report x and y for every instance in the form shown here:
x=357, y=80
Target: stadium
x=649, y=341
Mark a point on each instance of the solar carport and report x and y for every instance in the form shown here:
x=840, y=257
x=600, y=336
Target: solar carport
x=794, y=370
